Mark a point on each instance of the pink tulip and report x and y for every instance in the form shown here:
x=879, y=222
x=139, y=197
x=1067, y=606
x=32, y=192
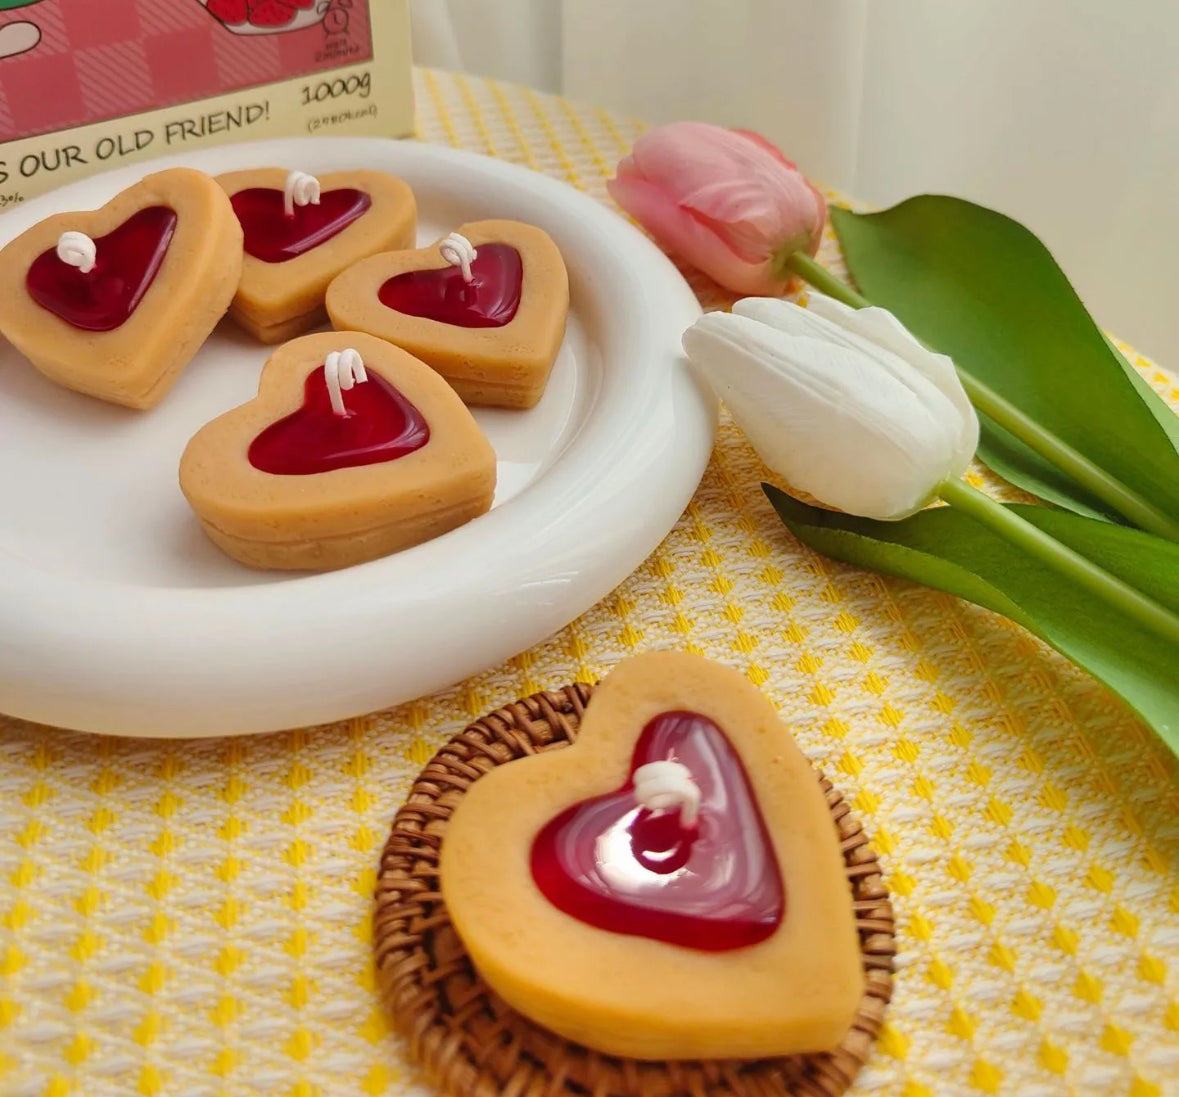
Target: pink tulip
x=725, y=200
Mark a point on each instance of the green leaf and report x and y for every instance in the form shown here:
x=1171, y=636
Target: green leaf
x=983, y=289
x=948, y=550
x=1156, y=405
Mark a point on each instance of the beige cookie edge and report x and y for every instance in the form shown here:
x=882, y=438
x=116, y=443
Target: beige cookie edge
x=348, y=550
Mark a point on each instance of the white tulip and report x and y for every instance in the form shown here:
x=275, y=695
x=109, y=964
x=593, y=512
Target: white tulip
x=844, y=403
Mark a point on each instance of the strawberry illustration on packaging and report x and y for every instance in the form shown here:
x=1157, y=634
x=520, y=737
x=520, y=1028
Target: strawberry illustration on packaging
x=267, y=16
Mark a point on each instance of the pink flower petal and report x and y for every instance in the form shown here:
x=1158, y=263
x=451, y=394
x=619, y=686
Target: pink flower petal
x=769, y=146
x=737, y=184
x=679, y=233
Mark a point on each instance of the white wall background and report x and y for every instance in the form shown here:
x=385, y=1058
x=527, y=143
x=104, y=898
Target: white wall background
x=1062, y=113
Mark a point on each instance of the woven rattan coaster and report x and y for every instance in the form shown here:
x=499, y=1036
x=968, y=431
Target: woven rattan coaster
x=471, y=1044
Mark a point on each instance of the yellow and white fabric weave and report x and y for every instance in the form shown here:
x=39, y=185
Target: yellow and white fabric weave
x=193, y=918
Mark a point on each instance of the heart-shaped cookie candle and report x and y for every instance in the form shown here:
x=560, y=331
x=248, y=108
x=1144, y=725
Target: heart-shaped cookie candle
x=671, y=886
x=115, y=302
x=301, y=231
x=353, y=449
x=485, y=306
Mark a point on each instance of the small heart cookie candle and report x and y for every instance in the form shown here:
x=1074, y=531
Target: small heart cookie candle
x=353, y=449
x=301, y=231
x=115, y=302
x=485, y=306
x=669, y=887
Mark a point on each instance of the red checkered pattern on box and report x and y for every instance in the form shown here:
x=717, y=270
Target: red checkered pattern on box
x=101, y=59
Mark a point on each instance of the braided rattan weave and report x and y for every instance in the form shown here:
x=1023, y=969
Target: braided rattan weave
x=470, y=1044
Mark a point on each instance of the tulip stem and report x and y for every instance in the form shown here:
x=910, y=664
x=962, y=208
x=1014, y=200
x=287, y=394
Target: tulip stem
x=1006, y=523
x=1111, y=491
x=823, y=280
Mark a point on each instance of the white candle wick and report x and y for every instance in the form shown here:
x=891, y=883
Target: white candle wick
x=458, y=251
x=668, y=786
x=77, y=250
x=301, y=190
x=342, y=369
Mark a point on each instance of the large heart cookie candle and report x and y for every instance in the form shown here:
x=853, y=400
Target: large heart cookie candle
x=115, y=302
x=353, y=449
x=671, y=886
x=301, y=231
x=486, y=307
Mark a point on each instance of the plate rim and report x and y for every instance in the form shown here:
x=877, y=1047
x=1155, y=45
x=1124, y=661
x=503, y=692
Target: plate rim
x=87, y=654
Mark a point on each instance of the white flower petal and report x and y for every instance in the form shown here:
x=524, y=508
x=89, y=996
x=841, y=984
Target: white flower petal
x=792, y=319
x=872, y=326
x=885, y=330
x=826, y=415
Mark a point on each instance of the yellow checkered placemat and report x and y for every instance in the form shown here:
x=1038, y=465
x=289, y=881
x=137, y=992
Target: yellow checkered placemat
x=193, y=918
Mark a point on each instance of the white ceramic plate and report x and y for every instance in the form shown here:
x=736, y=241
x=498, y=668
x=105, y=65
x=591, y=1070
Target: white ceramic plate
x=116, y=615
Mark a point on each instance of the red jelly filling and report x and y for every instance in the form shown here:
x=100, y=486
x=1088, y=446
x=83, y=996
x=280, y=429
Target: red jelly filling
x=273, y=237
x=380, y=425
x=489, y=300
x=714, y=886
x=127, y=261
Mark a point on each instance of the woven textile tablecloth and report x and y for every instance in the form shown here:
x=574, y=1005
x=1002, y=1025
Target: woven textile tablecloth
x=193, y=918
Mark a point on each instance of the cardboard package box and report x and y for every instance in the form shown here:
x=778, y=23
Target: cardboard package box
x=86, y=85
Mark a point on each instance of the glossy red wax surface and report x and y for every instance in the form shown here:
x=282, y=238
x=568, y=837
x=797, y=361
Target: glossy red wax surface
x=127, y=261
x=380, y=425
x=489, y=300
x=273, y=237
x=614, y=865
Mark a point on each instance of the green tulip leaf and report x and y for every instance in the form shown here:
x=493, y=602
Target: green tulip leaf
x=981, y=288
x=948, y=550
x=1155, y=404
